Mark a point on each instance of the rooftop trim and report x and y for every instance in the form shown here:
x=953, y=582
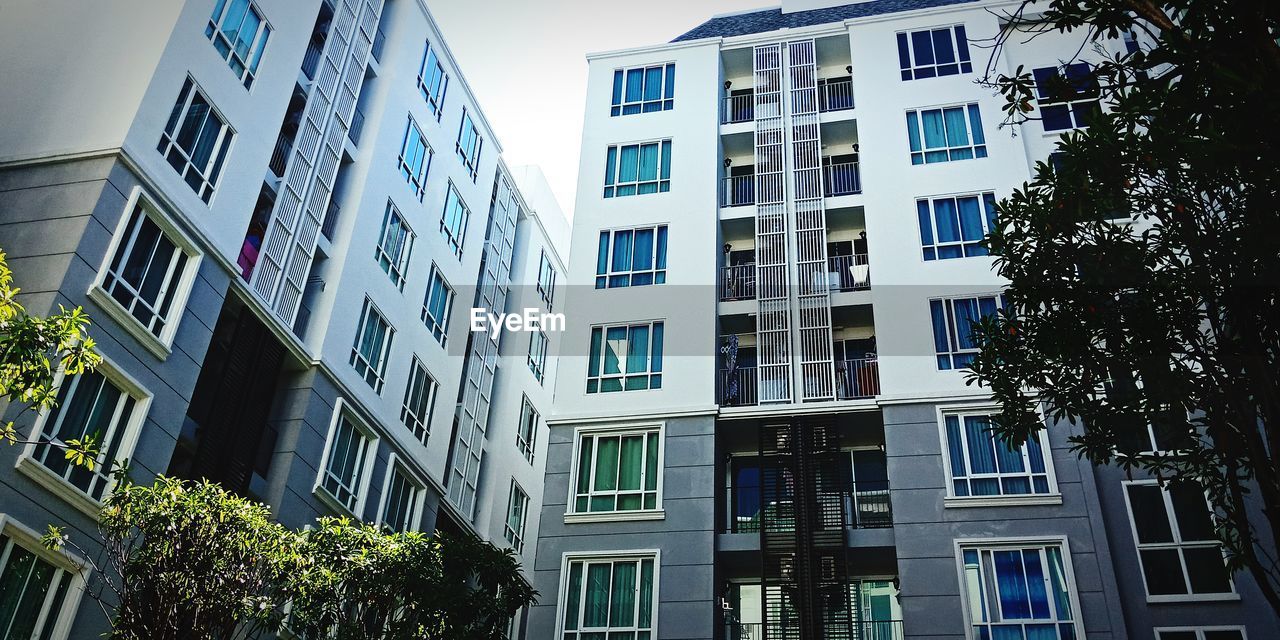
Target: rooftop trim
x=765, y=20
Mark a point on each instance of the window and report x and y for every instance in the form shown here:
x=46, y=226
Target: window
x=538, y=354
x=94, y=406
x=419, y=401
x=517, y=510
x=1167, y=431
x=1201, y=633
x=432, y=81
x=933, y=52
x=528, y=429
x=437, y=306
x=33, y=591
x=1068, y=96
x=348, y=461
x=946, y=134
x=371, y=346
x=453, y=223
x=1022, y=592
x=981, y=464
x=415, y=159
x=1173, y=529
x=953, y=327
x=195, y=141
x=632, y=257
x=546, y=279
x=394, y=246
x=402, y=498
x=618, y=471
x=632, y=169
x=239, y=33
x=625, y=358
x=469, y=144
x=149, y=273
x=954, y=226
x=643, y=89
x=612, y=596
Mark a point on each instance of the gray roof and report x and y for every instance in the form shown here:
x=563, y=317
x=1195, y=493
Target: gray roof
x=774, y=19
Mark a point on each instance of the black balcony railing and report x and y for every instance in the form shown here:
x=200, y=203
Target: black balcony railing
x=738, y=282
x=310, y=60
x=330, y=219
x=835, y=94
x=280, y=156
x=857, y=378
x=862, y=630
x=357, y=126
x=849, y=273
x=737, y=191
x=739, y=108
x=865, y=506
x=737, y=388
x=842, y=179
x=379, y=42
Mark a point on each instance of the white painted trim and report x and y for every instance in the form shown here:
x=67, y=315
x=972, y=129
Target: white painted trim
x=952, y=502
x=1017, y=542
x=596, y=418
x=340, y=408
x=615, y=516
x=419, y=495
x=571, y=516
x=1199, y=630
x=562, y=590
x=76, y=568
x=1175, y=529
x=160, y=346
x=1046, y=453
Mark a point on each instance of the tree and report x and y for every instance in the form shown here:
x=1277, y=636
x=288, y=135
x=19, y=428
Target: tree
x=32, y=352
x=1143, y=265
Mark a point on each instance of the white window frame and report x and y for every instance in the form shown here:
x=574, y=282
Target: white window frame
x=435, y=102
x=962, y=244
x=1070, y=104
x=611, y=188
x=566, y=559
x=469, y=147
x=665, y=102
x=1175, y=529
x=419, y=498
x=417, y=181
x=438, y=327
x=604, y=338
x=953, y=326
x=516, y=536
x=71, y=567
x=527, y=413
x=1054, y=496
x=396, y=267
x=989, y=544
x=129, y=431
x=359, y=486
x=357, y=359
x=955, y=44
x=645, y=428
x=610, y=273
x=221, y=146
x=538, y=354
x=973, y=145
x=1200, y=630
x=257, y=46
x=455, y=239
x=160, y=345
x=419, y=425
x=546, y=279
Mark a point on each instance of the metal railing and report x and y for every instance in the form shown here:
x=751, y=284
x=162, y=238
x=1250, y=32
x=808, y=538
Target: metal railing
x=842, y=179
x=857, y=378
x=280, y=156
x=737, y=191
x=865, y=506
x=379, y=42
x=357, y=126
x=737, y=388
x=864, y=630
x=738, y=282
x=835, y=94
x=849, y=273
x=869, y=506
x=330, y=219
x=310, y=60
x=739, y=108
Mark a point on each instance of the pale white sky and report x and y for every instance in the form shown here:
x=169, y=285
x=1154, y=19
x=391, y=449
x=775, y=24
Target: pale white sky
x=526, y=62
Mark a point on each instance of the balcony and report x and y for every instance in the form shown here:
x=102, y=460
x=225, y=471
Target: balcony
x=739, y=108
x=379, y=43
x=330, y=219
x=311, y=59
x=738, y=191
x=849, y=273
x=280, y=157
x=357, y=126
x=861, y=630
x=842, y=179
x=738, y=282
x=835, y=94
x=865, y=506
x=856, y=379
x=737, y=388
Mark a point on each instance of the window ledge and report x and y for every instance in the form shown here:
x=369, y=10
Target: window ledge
x=615, y=516
x=333, y=503
x=1195, y=597
x=155, y=345
x=952, y=502
x=59, y=486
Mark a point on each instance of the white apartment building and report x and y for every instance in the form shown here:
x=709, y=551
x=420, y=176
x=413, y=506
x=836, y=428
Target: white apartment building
x=761, y=429
x=278, y=215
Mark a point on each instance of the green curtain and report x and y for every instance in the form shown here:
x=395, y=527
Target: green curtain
x=622, y=606
x=575, y=596
x=596, y=611
x=606, y=477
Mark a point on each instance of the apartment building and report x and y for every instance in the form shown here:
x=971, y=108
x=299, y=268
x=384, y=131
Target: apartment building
x=761, y=427
x=278, y=214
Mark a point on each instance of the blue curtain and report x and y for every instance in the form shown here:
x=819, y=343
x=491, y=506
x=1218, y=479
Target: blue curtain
x=662, y=248
x=642, y=257
x=629, y=163
x=989, y=204
x=975, y=125
x=944, y=210
x=955, y=450
x=1035, y=454
x=593, y=366
x=649, y=162
x=913, y=134
x=622, y=251
x=611, y=166
x=957, y=134
x=970, y=219
x=655, y=364
x=666, y=160
x=941, y=345
x=1012, y=585
x=653, y=84
x=1035, y=584
x=602, y=254
x=982, y=458
x=614, y=337
x=617, y=89
x=670, y=90
x=935, y=136
x=635, y=85
x=1058, y=583
x=966, y=315
x=926, y=228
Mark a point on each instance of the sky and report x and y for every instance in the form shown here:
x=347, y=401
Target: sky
x=525, y=60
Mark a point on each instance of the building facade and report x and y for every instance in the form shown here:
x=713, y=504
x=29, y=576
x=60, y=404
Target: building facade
x=761, y=427
x=278, y=215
